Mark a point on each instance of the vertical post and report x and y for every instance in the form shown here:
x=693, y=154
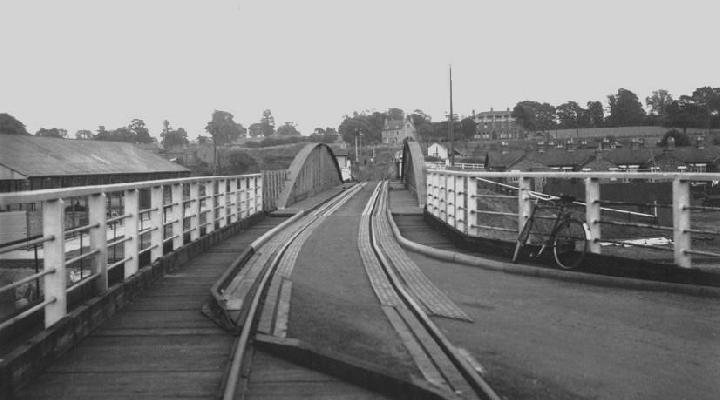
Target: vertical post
x=592, y=212
x=130, y=231
x=260, y=193
x=233, y=209
x=156, y=223
x=177, y=215
x=472, y=206
x=444, y=197
x=524, y=203
x=97, y=214
x=450, y=127
x=242, y=210
x=681, y=222
x=222, y=213
x=54, y=284
x=210, y=207
x=196, y=206
x=450, y=198
x=251, y=195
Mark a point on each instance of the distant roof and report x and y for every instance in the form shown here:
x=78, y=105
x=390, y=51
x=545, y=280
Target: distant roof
x=562, y=157
x=41, y=156
x=504, y=159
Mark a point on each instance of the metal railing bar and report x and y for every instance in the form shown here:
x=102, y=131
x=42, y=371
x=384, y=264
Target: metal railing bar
x=702, y=253
x=170, y=238
x=494, y=228
x=627, y=203
x=647, y=246
x=637, y=225
x=701, y=208
x=148, y=248
x=147, y=211
x=82, y=282
x=495, y=213
x=123, y=261
x=146, y=230
x=171, y=221
x=702, y=231
x=81, y=256
x=81, y=229
x=27, y=279
x=22, y=245
x=118, y=218
x=189, y=201
x=25, y=313
x=118, y=241
x=496, y=196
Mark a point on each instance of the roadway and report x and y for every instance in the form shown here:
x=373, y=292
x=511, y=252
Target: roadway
x=536, y=338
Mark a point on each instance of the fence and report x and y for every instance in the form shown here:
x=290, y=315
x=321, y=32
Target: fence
x=497, y=204
x=273, y=184
x=128, y=225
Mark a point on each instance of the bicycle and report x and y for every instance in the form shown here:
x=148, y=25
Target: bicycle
x=568, y=238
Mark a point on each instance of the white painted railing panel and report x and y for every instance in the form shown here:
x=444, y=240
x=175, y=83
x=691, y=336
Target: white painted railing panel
x=170, y=213
x=445, y=201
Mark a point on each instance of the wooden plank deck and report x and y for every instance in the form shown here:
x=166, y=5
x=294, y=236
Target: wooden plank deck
x=160, y=346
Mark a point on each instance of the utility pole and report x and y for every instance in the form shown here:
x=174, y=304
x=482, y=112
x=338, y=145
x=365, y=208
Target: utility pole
x=357, y=159
x=450, y=122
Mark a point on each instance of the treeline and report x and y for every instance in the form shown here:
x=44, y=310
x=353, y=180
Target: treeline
x=368, y=126
x=701, y=109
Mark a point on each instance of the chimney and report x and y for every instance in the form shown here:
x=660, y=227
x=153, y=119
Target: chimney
x=635, y=144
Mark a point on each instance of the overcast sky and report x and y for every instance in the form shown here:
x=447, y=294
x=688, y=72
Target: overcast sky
x=78, y=64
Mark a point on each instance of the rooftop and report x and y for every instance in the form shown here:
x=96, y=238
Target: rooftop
x=33, y=156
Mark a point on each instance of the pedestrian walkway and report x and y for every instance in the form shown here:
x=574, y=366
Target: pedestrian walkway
x=160, y=346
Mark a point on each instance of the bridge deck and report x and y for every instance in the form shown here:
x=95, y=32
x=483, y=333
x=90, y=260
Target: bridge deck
x=161, y=345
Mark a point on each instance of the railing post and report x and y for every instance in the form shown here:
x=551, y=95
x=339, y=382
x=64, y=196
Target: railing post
x=130, y=231
x=196, y=206
x=210, y=206
x=156, y=223
x=592, y=212
x=472, y=206
x=177, y=211
x=55, y=284
x=524, y=203
x=97, y=214
x=429, y=192
x=233, y=209
x=242, y=207
x=681, y=222
x=222, y=207
x=252, y=207
x=260, y=193
x=443, y=197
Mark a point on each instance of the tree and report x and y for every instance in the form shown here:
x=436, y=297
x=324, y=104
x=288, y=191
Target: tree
x=173, y=138
x=625, y=109
x=319, y=131
x=123, y=134
x=534, y=116
x=658, y=102
x=11, y=126
x=571, y=115
x=680, y=139
x=83, y=134
x=396, y=114
x=223, y=129
x=467, y=129
x=52, y=132
x=595, y=114
x=142, y=134
x=288, y=129
x=267, y=123
x=202, y=139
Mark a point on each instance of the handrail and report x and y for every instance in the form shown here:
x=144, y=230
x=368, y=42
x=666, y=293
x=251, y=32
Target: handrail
x=31, y=196
x=455, y=198
x=21, y=245
x=27, y=279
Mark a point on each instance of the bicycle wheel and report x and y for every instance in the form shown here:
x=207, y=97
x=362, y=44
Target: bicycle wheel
x=523, y=236
x=570, y=244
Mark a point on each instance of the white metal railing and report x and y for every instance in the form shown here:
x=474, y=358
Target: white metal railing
x=172, y=219
x=452, y=196
x=458, y=165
